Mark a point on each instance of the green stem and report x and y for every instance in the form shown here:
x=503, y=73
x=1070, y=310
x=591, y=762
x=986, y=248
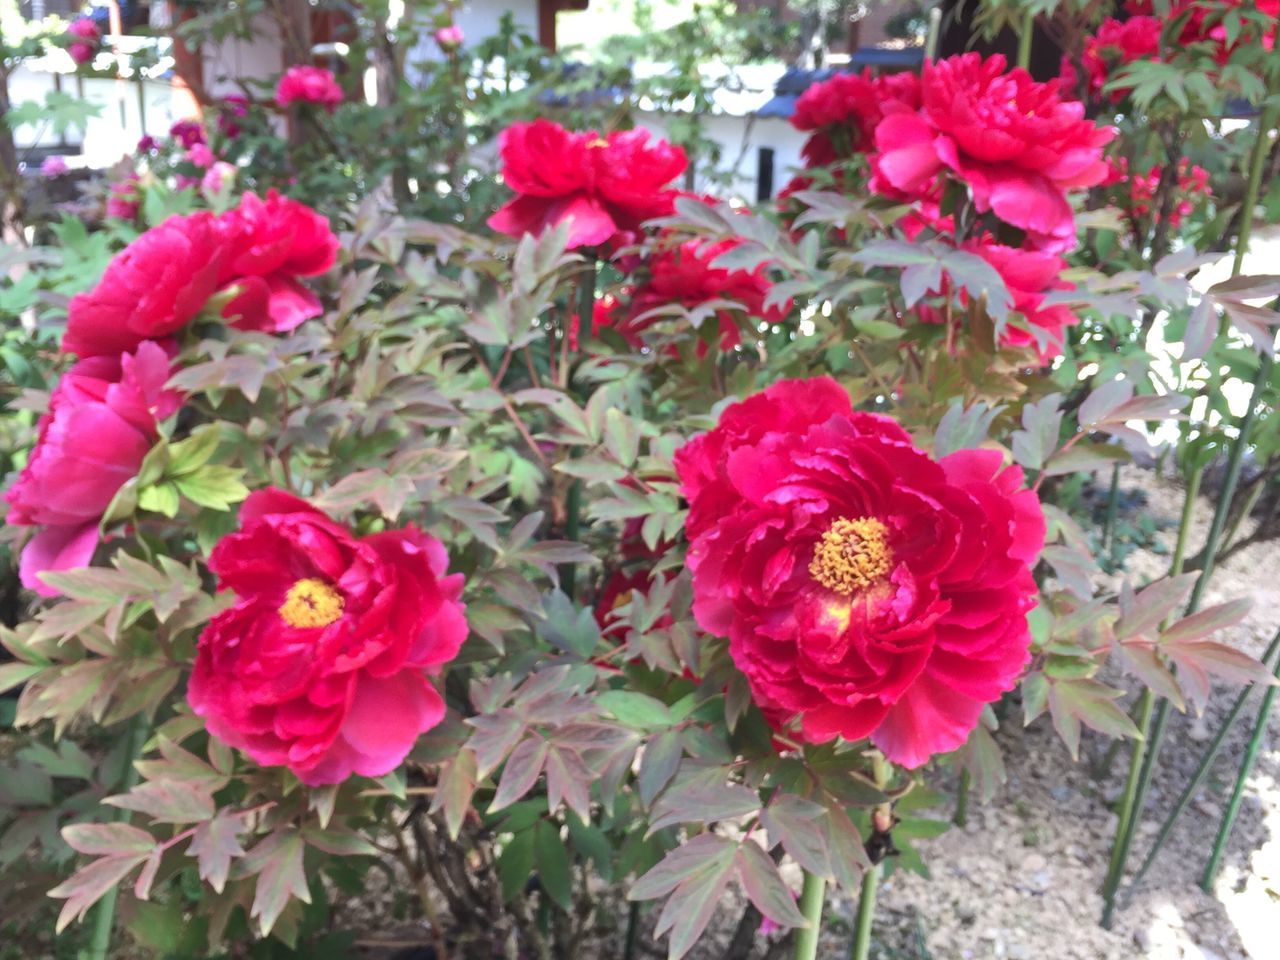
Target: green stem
x=1024, y=41
x=1128, y=811
x=633, y=931
x=1202, y=770
x=1246, y=767
x=866, y=914
x=961, y=816
x=104, y=917
x=1151, y=752
x=1113, y=510
x=812, y=900
x=1257, y=160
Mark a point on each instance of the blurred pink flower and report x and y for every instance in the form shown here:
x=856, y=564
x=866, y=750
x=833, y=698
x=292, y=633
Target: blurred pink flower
x=123, y=200
x=304, y=84
x=450, y=37
x=87, y=37
x=54, y=166
x=218, y=178
x=200, y=155
x=188, y=133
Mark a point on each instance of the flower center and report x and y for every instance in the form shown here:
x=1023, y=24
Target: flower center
x=311, y=603
x=852, y=555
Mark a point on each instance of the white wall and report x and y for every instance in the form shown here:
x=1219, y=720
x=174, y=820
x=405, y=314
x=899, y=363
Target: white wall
x=739, y=140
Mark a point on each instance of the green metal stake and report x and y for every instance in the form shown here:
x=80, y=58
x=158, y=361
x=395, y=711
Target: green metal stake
x=1246, y=767
x=812, y=899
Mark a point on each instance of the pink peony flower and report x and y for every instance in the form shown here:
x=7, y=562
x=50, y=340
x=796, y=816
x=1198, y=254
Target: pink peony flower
x=54, y=166
x=100, y=425
x=151, y=289
x=218, y=179
x=604, y=186
x=324, y=663
x=269, y=244
x=201, y=156
x=1014, y=142
x=123, y=201
x=303, y=84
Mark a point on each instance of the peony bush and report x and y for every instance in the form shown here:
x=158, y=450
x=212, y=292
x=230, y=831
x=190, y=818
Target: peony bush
x=639, y=547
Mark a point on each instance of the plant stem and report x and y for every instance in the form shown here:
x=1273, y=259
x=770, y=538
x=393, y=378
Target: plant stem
x=866, y=913
x=812, y=898
x=104, y=916
x=633, y=931
x=961, y=816
x=1202, y=769
x=1113, y=509
x=1127, y=813
x=1246, y=767
x=1024, y=41
x=1257, y=160
x=1149, y=754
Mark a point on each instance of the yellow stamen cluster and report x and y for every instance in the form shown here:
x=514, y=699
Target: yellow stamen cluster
x=852, y=555
x=311, y=603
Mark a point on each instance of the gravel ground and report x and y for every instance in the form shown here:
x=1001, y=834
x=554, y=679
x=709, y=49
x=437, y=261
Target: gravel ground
x=1022, y=879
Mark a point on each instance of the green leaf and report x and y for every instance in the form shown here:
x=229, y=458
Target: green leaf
x=215, y=486
x=658, y=764
x=520, y=772
x=215, y=844
x=160, y=498
x=456, y=786
x=636, y=709
x=552, y=861
x=515, y=864
x=759, y=877
x=795, y=823
x=281, y=877
x=1038, y=438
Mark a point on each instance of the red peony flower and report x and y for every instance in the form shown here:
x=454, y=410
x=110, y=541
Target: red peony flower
x=604, y=186
x=684, y=275
x=153, y=288
x=269, y=244
x=85, y=40
x=1116, y=43
x=100, y=425
x=304, y=84
x=1017, y=145
x=843, y=112
x=323, y=663
x=865, y=589
x=1204, y=24
x=123, y=202
x=1193, y=184
x=1030, y=275
x=188, y=133
x=232, y=107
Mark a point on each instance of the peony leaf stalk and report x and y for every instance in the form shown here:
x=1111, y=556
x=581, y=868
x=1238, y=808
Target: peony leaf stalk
x=1202, y=769
x=1237, y=792
x=812, y=900
x=1146, y=751
x=104, y=917
x=1024, y=40
x=866, y=913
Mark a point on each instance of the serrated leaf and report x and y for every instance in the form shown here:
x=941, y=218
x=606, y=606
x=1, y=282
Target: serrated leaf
x=796, y=824
x=658, y=764
x=108, y=839
x=280, y=879
x=214, y=845
x=1142, y=612
x=636, y=709
x=168, y=801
